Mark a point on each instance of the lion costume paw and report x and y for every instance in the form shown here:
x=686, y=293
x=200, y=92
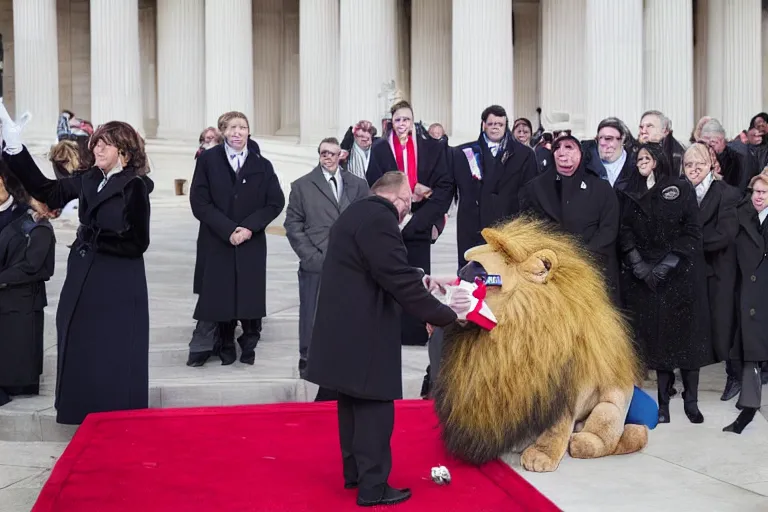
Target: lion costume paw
x=561, y=354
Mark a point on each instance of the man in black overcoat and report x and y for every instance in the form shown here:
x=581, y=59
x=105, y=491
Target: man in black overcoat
x=581, y=203
x=488, y=175
x=235, y=194
x=356, y=350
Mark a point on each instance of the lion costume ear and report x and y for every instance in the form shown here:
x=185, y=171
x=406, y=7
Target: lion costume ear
x=540, y=266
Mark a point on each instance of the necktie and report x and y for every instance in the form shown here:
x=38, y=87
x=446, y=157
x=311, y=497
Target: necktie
x=335, y=187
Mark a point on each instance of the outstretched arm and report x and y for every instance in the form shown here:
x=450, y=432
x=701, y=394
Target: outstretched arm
x=54, y=193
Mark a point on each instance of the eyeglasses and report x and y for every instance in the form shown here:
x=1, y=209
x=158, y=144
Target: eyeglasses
x=328, y=153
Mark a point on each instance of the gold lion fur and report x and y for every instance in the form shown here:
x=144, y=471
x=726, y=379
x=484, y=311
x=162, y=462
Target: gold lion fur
x=499, y=390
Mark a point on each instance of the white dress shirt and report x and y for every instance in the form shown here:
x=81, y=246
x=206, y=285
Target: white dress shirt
x=762, y=215
x=117, y=169
x=493, y=146
x=339, y=188
x=7, y=204
x=703, y=187
x=613, y=169
x=236, y=158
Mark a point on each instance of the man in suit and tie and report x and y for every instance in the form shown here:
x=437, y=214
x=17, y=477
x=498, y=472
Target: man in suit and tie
x=316, y=201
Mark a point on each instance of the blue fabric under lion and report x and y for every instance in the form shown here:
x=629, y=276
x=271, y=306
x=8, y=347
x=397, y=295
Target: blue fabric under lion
x=643, y=410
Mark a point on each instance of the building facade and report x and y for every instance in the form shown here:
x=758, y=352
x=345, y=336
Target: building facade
x=310, y=68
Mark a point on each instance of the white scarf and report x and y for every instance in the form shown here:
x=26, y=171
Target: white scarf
x=358, y=162
x=703, y=187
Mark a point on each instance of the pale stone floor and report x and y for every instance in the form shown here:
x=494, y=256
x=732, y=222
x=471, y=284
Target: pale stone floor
x=685, y=467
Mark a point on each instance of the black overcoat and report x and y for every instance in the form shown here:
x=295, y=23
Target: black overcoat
x=27, y=258
x=432, y=172
x=752, y=253
x=595, y=165
x=719, y=226
x=494, y=198
x=671, y=325
x=102, y=321
x=366, y=280
x=231, y=282
x=587, y=208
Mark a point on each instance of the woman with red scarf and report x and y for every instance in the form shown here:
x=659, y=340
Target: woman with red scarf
x=422, y=159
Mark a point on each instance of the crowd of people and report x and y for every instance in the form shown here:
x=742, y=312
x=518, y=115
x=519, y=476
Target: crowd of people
x=677, y=231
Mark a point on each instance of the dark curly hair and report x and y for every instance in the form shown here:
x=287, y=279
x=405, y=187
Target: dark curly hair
x=127, y=141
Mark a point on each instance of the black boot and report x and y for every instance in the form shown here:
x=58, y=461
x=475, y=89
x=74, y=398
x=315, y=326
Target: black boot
x=4, y=397
x=663, y=379
x=732, y=388
x=197, y=359
x=691, y=395
x=744, y=419
x=249, y=339
x=426, y=385
x=226, y=344
x=672, y=390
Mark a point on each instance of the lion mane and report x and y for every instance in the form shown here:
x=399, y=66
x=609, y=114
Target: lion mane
x=556, y=341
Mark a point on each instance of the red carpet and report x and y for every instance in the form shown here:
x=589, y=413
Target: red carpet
x=274, y=458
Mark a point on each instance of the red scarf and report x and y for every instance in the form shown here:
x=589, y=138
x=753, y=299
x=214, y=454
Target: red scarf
x=413, y=176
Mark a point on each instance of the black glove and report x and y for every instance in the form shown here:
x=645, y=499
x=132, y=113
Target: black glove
x=639, y=267
x=664, y=268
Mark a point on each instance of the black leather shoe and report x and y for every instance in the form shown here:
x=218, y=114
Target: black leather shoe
x=732, y=388
x=228, y=354
x=745, y=417
x=4, y=398
x=694, y=414
x=390, y=496
x=350, y=485
x=197, y=359
x=663, y=414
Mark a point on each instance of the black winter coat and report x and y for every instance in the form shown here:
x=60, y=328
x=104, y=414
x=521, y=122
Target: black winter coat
x=671, y=325
x=494, y=198
x=102, y=321
x=27, y=250
x=752, y=253
x=719, y=226
x=366, y=280
x=587, y=208
x=432, y=172
x=231, y=281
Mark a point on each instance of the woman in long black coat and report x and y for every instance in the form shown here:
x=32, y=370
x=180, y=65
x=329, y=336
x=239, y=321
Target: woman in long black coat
x=719, y=226
x=102, y=321
x=27, y=248
x=663, y=283
x=234, y=191
x=752, y=339
x=422, y=158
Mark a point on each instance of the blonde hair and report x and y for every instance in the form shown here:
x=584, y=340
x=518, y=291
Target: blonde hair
x=226, y=117
x=701, y=150
x=65, y=154
x=763, y=176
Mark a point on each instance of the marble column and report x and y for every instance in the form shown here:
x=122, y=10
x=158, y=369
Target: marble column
x=290, y=98
x=562, y=63
x=115, y=63
x=431, y=61
x=700, y=50
x=482, y=63
x=367, y=59
x=228, y=59
x=267, y=65
x=715, y=57
x=526, y=50
x=319, y=69
x=668, y=62
x=181, y=68
x=613, y=61
x=148, y=60
x=37, y=66
x=742, y=89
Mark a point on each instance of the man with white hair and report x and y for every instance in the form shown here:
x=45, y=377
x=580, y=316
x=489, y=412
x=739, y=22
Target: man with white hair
x=735, y=168
x=656, y=127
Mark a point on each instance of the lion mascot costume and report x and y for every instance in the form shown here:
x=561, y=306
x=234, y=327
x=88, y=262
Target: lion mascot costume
x=560, y=359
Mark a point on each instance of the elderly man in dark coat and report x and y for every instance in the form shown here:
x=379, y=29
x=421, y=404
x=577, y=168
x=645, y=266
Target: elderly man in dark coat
x=356, y=338
x=235, y=194
x=752, y=341
x=581, y=203
x=488, y=174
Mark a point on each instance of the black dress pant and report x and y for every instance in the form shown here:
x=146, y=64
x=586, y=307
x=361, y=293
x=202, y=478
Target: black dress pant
x=365, y=431
x=751, y=385
x=413, y=331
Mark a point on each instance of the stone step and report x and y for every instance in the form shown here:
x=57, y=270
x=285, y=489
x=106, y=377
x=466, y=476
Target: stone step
x=273, y=378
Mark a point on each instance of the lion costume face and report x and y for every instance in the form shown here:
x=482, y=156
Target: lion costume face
x=558, y=341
